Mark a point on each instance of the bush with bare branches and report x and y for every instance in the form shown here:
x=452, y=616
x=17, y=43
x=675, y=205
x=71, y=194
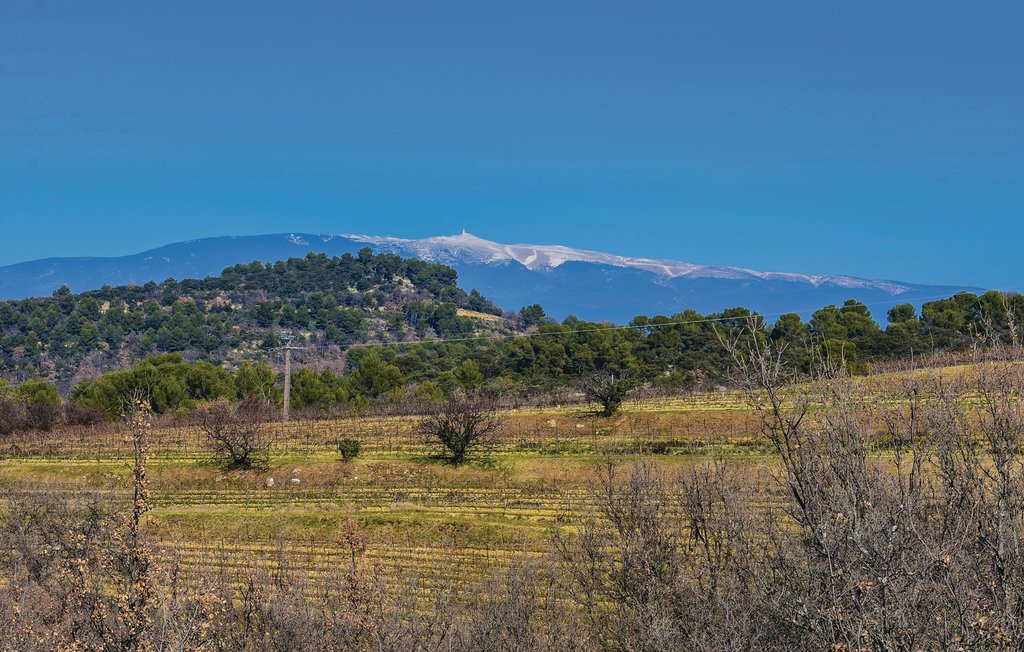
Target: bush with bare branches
x=608, y=390
x=906, y=497
x=238, y=434
x=461, y=425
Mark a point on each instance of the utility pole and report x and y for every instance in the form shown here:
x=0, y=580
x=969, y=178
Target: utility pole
x=287, y=338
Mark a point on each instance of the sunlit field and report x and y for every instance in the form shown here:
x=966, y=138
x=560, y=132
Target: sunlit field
x=420, y=515
x=855, y=499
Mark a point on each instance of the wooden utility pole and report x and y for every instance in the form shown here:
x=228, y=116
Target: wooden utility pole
x=288, y=348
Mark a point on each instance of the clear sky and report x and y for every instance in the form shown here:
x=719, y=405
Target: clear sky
x=878, y=139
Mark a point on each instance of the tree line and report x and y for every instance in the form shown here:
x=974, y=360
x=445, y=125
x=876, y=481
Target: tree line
x=684, y=351
x=677, y=353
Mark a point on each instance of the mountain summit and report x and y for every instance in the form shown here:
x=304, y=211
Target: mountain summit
x=469, y=248
x=589, y=284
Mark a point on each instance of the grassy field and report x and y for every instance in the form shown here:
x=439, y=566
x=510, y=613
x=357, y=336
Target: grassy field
x=420, y=515
x=533, y=533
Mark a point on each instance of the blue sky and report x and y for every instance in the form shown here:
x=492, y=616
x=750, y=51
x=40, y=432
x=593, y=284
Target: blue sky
x=868, y=139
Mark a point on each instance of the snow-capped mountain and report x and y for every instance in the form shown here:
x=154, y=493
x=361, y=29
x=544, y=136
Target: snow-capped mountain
x=589, y=284
x=469, y=248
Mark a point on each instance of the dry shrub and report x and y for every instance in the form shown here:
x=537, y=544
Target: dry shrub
x=17, y=415
x=238, y=434
x=461, y=425
x=891, y=520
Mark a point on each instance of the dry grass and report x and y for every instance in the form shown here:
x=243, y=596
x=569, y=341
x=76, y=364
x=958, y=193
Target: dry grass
x=411, y=506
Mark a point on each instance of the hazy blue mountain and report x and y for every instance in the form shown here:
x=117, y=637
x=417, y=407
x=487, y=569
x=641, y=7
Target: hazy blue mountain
x=589, y=284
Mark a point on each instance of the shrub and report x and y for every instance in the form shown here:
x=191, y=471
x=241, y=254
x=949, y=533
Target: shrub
x=13, y=416
x=76, y=414
x=42, y=416
x=349, y=448
x=607, y=390
x=460, y=425
x=238, y=434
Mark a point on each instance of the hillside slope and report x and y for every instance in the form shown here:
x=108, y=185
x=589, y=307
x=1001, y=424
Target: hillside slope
x=335, y=302
x=591, y=285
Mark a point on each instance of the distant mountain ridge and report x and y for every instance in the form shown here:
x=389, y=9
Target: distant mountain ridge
x=589, y=284
x=469, y=248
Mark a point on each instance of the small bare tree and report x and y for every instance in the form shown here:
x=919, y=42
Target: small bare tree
x=460, y=425
x=132, y=565
x=608, y=390
x=238, y=434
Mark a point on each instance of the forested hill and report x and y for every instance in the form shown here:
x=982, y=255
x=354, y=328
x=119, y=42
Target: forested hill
x=333, y=302
x=681, y=352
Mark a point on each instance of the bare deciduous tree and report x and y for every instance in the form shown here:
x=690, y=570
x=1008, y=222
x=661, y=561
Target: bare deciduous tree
x=238, y=434
x=608, y=390
x=461, y=425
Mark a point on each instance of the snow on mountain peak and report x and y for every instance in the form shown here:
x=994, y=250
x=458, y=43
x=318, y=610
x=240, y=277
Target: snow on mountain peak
x=466, y=247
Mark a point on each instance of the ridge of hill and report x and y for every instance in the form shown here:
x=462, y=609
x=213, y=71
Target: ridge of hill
x=334, y=301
